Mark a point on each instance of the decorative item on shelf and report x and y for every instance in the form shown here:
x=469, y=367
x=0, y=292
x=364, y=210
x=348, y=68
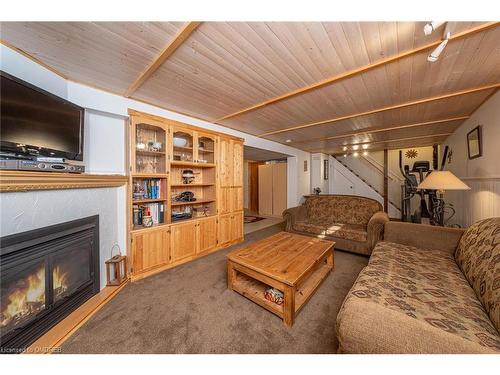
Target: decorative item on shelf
x=154, y=146
x=140, y=145
x=185, y=196
x=474, y=143
x=139, y=191
x=201, y=145
x=274, y=295
x=184, y=157
x=201, y=211
x=116, y=268
x=187, y=176
x=182, y=214
x=179, y=142
x=201, y=161
x=316, y=190
x=147, y=221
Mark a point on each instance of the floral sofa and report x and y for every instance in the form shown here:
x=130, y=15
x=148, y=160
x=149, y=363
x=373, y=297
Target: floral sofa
x=355, y=223
x=426, y=290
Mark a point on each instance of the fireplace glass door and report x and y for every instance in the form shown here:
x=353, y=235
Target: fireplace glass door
x=71, y=271
x=23, y=295
x=45, y=274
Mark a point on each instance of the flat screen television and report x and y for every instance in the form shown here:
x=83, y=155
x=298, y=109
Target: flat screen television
x=34, y=122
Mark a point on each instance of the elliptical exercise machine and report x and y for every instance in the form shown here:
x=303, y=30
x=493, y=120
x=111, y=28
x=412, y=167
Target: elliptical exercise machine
x=432, y=208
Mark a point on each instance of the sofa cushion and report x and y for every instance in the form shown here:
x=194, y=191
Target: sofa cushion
x=423, y=288
x=478, y=256
x=313, y=227
x=347, y=231
x=342, y=209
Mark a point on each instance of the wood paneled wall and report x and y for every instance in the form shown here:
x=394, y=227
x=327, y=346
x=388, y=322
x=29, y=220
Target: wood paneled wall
x=481, y=202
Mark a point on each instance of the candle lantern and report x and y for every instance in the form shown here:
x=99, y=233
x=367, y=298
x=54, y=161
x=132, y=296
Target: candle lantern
x=116, y=268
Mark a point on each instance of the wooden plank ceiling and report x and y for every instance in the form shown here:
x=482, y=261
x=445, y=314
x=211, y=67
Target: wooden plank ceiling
x=317, y=86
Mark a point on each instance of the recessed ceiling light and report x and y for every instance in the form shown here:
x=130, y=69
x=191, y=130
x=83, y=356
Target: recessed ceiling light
x=365, y=153
x=344, y=148
x=355, y=147
x=355, y=154
x=288, y=141
x=345, y=155
x=365, y=147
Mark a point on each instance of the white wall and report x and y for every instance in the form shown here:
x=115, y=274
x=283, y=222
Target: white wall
x=104, y=143
x=318, y=173
x=482, y=174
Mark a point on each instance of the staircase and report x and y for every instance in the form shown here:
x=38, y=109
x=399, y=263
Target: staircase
x=370, y=183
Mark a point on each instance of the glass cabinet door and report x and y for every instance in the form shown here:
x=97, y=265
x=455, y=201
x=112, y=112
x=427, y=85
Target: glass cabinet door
x=206, y=148
x=149, y=149
x=182, y=145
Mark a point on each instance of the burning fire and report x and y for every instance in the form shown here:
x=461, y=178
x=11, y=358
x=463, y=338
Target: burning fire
x=25, y=301
x=29, y=297
x=59, y=279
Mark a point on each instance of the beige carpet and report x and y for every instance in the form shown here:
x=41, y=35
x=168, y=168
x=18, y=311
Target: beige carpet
x=189, y=309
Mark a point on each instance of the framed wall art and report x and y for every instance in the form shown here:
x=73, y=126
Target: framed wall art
x=474, y=143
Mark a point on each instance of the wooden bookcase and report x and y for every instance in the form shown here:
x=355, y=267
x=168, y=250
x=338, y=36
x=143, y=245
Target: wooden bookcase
x=168, y=158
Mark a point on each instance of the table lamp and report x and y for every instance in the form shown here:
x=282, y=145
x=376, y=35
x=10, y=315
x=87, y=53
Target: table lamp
x=441, y=181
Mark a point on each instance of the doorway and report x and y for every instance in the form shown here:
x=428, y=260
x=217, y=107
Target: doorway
x=259, y=185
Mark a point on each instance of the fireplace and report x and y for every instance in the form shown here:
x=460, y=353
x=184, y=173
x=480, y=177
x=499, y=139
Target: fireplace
x=44, y=275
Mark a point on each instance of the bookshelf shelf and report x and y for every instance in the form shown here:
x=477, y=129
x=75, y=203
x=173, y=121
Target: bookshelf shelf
x=191, y=164
x=199, y=201
x=149, y=175
x=150, y=153
x=140, y=228
x=192, y=185
x=192, y=219
x=139, y=201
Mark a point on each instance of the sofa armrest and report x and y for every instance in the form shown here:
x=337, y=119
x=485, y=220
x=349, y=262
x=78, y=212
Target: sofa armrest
x=423, y=236
x=292, y=215
x=375, y=229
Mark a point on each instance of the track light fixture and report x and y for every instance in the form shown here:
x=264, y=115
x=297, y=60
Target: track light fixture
x=431, y=26
x=439, y=49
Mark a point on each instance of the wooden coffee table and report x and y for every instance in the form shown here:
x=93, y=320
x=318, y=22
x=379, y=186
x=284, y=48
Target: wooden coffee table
x=294, y=264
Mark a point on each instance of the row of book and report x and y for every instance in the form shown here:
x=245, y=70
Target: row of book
x=155, y=210
x=151, y=188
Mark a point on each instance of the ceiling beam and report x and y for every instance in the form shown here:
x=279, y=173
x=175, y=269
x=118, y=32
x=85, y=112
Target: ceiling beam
x=384, y=109
x=179, y=38
x=339, y=151
x=359, y=70
x=379, y=130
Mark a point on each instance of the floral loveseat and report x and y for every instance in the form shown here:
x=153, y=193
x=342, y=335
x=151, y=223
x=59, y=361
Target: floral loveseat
x=426, y=290
x=355, y=223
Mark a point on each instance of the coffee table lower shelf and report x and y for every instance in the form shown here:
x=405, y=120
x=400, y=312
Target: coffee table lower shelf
x=295, y=296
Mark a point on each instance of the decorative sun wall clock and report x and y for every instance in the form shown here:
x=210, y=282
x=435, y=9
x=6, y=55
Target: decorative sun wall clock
x=411, y=154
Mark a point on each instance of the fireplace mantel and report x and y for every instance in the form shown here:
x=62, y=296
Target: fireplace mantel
x=12, y=181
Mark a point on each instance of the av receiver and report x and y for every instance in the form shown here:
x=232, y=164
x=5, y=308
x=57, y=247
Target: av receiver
x=36, y=165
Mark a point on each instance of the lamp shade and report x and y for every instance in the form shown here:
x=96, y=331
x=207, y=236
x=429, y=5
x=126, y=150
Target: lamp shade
x=442, y=180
